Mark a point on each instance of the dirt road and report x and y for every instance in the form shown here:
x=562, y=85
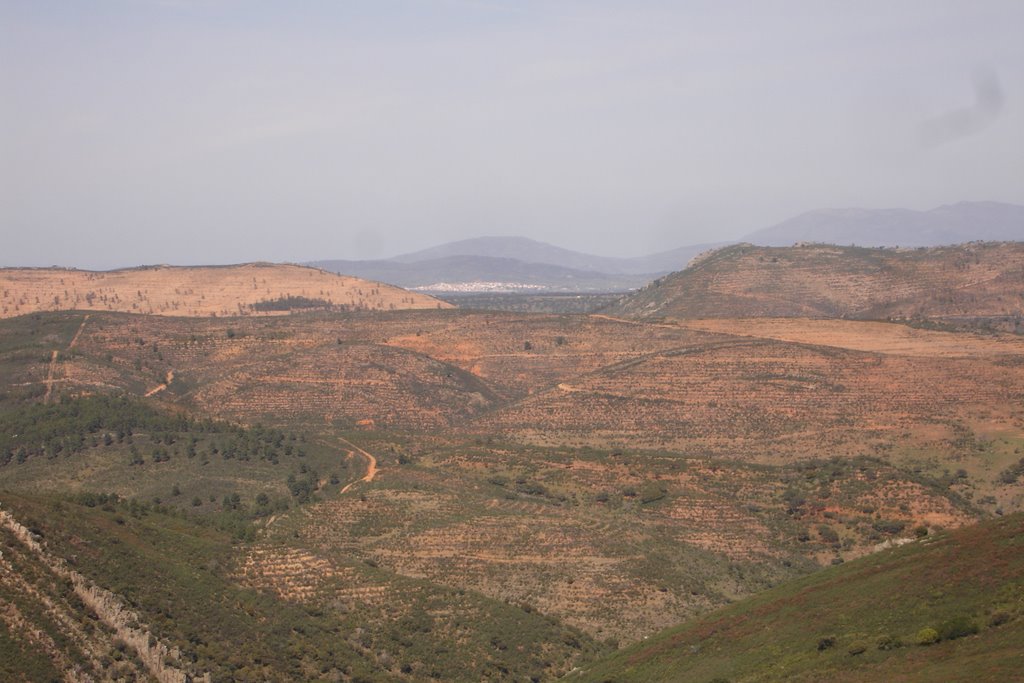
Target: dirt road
x=50, y=375
x=74, y=340
x=641, y=323
x=371, y=464
x=161, y=387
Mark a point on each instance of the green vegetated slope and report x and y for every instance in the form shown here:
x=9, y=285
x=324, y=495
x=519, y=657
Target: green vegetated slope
x=976, y=281
x=169, y=512
x=125, y=446
x=183, y=580
x=946, y=608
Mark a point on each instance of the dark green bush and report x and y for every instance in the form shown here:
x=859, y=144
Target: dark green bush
x=651, y=492
x=889, y=526
x=957, y=627
x=999, y=618
x=889, y=642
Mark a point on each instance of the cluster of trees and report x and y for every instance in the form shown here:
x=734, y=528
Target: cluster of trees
x=1012, y=473
x=67, y=427
x=74, y=425
x=290, y=303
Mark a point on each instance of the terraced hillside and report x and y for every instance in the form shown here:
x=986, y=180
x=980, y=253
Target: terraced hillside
x=960, y=284
x=761, y=399
x=938, y=402
x=126, y=591
x=618, y=476
x=945, y=608
x=614, y=543
x=253, y=288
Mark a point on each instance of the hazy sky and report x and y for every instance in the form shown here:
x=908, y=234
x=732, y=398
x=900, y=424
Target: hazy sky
x=217, y=131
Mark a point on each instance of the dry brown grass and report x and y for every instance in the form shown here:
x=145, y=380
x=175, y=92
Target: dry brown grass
x=193, y=291
x=762, y=399
x=794, y=388
x=586, y=550
x=978, y=280
x=875, y=337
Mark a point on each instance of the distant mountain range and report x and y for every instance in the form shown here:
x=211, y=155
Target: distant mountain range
x=531, y=251
x=951, y=224
x=523, y=264
x=434, y=273
x=505, y=262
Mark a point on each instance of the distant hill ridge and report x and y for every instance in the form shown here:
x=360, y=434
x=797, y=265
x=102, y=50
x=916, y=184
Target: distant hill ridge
x=945, y=225
x=979, y=280
x=516, y=259
x=556, y=269
x=248, y=289
x=470, y=268
x=531, y=251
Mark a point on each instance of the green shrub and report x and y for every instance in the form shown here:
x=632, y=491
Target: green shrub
x=927, y=636
x=857, y=647
x=999, y=618
x=531, y=488
x=889, y=526
x=957, y=627
x=651, y=492
x=889, y=642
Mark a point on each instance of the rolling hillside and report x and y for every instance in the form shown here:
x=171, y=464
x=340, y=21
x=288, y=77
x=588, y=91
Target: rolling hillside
x=946, y=608
x=971, y=282
x=693, y=467
x=249, y=289
x=472, y=494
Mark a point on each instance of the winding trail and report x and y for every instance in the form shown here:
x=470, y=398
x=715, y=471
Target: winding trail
x=49, y=376
x=74, y=340
x=641, y=323
x=161, y=387
x=54, y=355
x=371, y=466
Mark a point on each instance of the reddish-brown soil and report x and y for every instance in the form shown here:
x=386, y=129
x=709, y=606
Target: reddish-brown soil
x=971, y=281
x=875, y=337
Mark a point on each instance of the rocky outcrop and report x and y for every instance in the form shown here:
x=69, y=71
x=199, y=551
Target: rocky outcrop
x=164, y=663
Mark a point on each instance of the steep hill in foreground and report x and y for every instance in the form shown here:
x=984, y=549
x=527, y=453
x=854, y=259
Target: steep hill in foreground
x=865, y=621
x=970, y=282
x=252, y=288
x=98, y=588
